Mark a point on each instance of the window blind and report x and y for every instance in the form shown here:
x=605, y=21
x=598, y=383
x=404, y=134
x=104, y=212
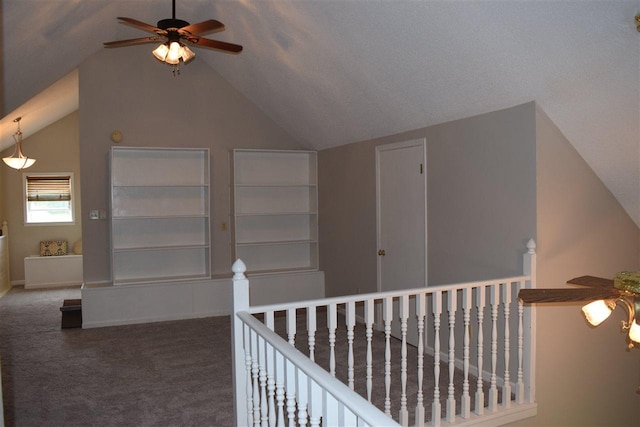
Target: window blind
x=48, y=188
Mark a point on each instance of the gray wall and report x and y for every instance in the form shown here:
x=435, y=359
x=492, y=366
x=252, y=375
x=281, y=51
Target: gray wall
x=128, y=90
x=55, y=149
x=585, y=376
x=481, y=201
x=493, y=181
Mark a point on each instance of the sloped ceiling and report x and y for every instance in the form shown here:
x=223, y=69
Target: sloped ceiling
x=336, y=72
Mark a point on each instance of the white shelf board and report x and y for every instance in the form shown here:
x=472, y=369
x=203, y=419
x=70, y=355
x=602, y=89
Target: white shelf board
x=277, y=242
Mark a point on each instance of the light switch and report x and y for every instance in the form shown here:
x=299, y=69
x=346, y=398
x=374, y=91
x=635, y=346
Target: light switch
x=94, y=214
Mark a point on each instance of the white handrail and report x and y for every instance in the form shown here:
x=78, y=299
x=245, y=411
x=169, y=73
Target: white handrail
x=506, y=358
x=360, y=407
x=381, y=295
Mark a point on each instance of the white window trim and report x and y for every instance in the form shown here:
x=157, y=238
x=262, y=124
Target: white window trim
x=24, y=199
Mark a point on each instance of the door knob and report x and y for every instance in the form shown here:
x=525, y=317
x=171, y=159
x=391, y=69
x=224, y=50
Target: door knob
x=381, y=252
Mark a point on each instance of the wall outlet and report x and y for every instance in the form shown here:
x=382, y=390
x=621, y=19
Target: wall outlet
x=94, y=214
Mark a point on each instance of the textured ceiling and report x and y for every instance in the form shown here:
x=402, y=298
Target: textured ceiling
x=335, y=72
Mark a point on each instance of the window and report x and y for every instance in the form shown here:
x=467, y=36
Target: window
x=48, y=198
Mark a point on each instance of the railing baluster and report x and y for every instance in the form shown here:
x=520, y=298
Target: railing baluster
x=481, y=295
x=387, y=308
x=271, y=384
x=493, y=390
x=529, y=369
x=332, y=324
x=420, y=314
x=255, y=372
x=520, y=383
x=436, y=411
x=348, y=417
x=290, y=378
x=311, y=330
x=262, y=367
x=248, y=360
x=269, y=320
x=506, y=301
x=351, y=322
x=404, y=315
x=368, y=320
x=291, y=326
x=465, y=403
x=330, y=410
x=303, y=397
x=315, y=404
x=452, y=300
x=280, y=388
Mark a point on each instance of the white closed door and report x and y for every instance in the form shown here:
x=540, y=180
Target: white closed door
x=401, y=212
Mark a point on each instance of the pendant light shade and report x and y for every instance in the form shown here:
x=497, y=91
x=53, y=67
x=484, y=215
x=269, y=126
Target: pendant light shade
x=18, y=160
x=597, y=311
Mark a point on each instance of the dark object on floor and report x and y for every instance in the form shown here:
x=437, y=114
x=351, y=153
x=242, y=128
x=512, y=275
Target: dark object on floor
x=71, y=313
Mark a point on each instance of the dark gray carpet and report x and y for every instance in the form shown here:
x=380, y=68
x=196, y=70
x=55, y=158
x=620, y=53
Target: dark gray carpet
x=158, y=374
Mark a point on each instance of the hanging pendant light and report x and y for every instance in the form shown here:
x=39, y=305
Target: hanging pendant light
x=18, y=160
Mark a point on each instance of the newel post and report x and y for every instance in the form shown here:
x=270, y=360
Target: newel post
x=240, y=298
x=529, y=324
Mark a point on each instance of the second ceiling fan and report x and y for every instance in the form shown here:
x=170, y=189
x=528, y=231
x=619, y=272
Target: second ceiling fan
x=603, y=295
x=175, y=35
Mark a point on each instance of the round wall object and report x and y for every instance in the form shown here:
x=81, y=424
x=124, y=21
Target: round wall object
x=116, y=136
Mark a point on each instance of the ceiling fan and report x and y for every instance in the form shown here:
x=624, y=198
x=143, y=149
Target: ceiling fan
x=175, y=35
x=603, y=294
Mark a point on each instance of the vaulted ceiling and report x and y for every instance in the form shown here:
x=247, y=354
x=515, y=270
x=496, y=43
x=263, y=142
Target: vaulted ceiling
x=335, y=72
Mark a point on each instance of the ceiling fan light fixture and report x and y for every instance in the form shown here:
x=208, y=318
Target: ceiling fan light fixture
x=161, y=52
x=174, y=54
x=187, y=54
x=173, y=32
x=634, y=332
x=18, y=160
x=598, y=311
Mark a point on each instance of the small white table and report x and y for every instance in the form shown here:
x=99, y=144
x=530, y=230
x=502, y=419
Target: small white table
x=52, y=271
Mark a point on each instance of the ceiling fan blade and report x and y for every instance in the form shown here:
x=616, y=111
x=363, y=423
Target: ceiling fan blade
x=592, y=282
x=141, y=25
x=203, y=27
x=131, y=42
x=215, y=44
x=566, y=295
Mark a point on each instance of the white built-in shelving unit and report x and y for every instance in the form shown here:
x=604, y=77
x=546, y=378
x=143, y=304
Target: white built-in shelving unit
x=275, y=210
x=159, y=214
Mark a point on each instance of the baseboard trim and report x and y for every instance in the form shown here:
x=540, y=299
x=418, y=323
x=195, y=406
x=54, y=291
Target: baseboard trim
x=122, y=322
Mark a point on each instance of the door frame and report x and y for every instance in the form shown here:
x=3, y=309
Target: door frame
x=395, y=146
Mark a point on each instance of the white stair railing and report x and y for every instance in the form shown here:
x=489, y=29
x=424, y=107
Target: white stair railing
x=271, y=376
x=471, y=340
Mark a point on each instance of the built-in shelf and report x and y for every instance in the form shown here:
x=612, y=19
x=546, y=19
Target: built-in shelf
x=275, y=210
x=159, y=214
